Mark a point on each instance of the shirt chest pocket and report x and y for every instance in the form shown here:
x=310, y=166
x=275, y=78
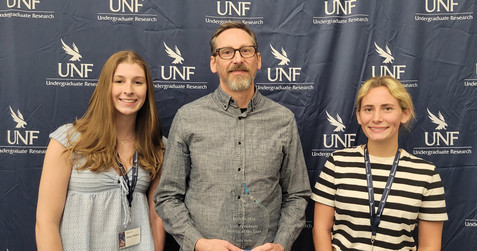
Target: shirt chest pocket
x=267, y=156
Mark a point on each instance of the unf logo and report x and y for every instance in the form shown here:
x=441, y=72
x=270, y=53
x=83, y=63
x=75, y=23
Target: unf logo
x=336, y=7
x=386, y=54
x=438, y=120
x=280, y=56
x=29, y=4
x=440, y=5
x=73, y=52
x=16, y=137
x=338, y=122
x=440, y=138
x=174, y=72
x=229, y=8
x=131, y=6
x=337, y=140
x=18, y=118
x=71, y=70
x=290, y=73
x=395, y=71
x=176, y=54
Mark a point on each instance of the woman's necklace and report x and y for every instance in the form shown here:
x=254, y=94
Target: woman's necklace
x=126, y=140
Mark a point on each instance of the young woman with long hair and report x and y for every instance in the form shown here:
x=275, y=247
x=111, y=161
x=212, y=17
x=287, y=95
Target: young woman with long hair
x=100, y=172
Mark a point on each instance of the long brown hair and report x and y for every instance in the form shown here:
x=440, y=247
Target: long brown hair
x=97, y=128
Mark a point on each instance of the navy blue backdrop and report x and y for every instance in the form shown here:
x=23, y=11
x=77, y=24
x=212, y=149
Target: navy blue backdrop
x=315, y=55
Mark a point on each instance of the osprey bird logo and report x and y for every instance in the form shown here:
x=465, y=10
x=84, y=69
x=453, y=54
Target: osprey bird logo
x=280, y=56
x=18, y=118
x=176, y=55
x=439, y=121
x=387, y=55
x=73, y=52
x=338, y=122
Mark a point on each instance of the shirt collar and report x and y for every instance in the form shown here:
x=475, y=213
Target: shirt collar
x=224, y=100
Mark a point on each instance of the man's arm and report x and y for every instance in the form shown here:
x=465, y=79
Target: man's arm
x=295, y=186
x=170, y=194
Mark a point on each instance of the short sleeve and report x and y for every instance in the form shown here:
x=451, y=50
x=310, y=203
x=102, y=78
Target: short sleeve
x=61, y=134
x=325, y=189
x=433, y=207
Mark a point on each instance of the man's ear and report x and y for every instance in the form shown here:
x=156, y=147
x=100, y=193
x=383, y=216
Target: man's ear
x=259, y=60
x=213, y=67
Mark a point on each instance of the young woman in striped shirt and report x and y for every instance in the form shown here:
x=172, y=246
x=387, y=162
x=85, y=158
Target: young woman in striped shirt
x=373, y=196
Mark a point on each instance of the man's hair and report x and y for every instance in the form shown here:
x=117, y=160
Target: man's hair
x=231, y=25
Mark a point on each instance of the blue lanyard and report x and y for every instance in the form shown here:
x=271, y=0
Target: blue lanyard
x=375, y=216
x=131, y=184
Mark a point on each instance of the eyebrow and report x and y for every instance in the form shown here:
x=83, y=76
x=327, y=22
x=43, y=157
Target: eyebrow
x=385, y=104
x=134, y=77
x=229, y=46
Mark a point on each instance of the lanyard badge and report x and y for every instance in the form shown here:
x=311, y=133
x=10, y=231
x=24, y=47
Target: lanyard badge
x=375, y=216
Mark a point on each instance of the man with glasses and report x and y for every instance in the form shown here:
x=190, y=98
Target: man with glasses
x=234, y=175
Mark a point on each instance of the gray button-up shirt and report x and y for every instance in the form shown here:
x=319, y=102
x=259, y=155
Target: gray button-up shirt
x=233, y=175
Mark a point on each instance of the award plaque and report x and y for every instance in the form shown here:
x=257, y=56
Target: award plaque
x=244, y=220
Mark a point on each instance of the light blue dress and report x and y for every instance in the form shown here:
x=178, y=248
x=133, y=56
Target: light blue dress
x=97, y=210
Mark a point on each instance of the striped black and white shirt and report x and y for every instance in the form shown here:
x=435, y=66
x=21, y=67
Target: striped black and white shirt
x=416, y=194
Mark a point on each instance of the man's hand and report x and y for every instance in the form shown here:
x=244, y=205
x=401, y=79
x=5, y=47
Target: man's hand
x=269, y=247
x=215, y=245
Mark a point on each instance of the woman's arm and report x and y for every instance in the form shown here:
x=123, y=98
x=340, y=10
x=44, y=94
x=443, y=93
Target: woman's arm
x=322, y=226
x=52, y=196
x=429, y=235
x=157, y=229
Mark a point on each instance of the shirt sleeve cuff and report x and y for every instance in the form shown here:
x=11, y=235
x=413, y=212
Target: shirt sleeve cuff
x=191, y=237
x=284, y=241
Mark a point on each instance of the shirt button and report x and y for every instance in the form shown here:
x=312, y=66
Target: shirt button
x=239, y=143
x=238, y=170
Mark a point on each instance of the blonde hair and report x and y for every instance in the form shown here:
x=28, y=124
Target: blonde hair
x=97, y=128
x=396, y=89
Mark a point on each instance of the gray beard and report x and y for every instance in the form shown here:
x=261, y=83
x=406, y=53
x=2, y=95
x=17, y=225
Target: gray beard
x=239, y=83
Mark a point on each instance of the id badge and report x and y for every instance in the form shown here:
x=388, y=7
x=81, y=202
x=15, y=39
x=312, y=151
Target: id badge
x=129, y=238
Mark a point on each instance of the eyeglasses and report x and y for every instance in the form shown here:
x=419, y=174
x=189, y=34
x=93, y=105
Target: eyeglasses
x=228, y=52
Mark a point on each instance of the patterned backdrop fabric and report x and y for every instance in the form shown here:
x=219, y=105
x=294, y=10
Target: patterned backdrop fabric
x=315, y=55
